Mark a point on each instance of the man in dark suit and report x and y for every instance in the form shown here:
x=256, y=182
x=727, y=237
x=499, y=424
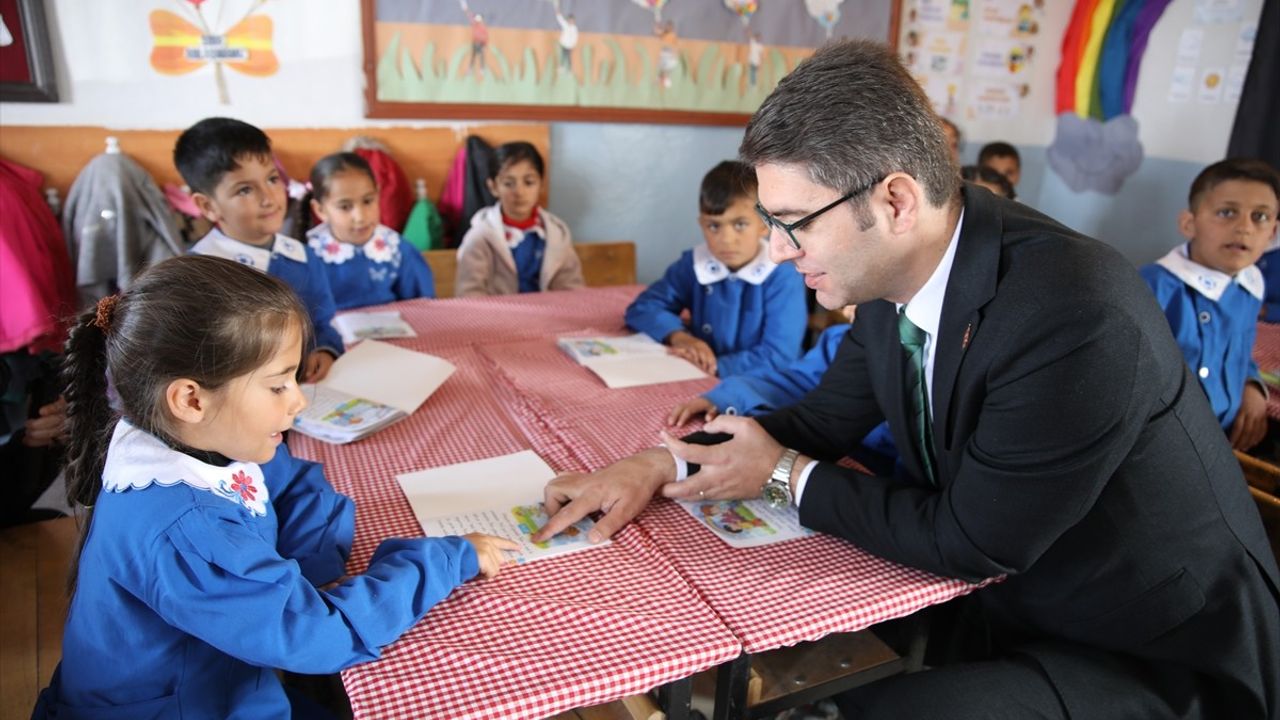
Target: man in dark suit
x=1049, y=429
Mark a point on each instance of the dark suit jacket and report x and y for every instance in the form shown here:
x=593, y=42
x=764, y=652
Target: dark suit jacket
x=1075, y=454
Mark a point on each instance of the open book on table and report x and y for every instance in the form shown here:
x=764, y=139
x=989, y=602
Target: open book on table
x=370, y=387
x=748, y=523
x=629, y=360
x=499, y=496
x=357, y=326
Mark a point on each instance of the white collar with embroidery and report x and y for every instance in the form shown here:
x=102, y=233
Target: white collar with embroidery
x=383, y=247
x=219, y=245
x=137, y=459
x=1207, y=281
x=708, y=269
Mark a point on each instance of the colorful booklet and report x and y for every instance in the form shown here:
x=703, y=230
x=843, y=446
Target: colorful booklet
x=370, y=387
x=748, y=523
x=357, y=326
x=499, y=496
x=629, y=360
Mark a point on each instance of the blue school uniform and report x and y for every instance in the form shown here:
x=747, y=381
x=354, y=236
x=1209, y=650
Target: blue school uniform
x=1269, y=264
x=528, y=252
x=752, y=318
x=1214, y=319
x=761, y=390
x=383, y=270
x=198, y=579
x=293, y=263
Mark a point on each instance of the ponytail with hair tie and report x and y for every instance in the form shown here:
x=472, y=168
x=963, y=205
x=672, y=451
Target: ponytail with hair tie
x=105, y=309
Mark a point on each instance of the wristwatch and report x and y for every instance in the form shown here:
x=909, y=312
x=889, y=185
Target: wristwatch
x=777, y=492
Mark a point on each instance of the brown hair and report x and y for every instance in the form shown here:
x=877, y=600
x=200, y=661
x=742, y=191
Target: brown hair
x=1248, y=169
x=198, y=317
x=728, y=181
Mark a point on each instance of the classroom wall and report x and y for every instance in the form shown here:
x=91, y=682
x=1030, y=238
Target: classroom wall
x=1178, y=139
x=609, y=181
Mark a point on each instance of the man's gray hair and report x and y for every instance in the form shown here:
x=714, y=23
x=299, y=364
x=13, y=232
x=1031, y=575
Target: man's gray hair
x=852, y=114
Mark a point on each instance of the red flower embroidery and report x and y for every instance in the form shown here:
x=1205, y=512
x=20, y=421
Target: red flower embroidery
x=379, y=244
x=332, y=247
x=243, y=484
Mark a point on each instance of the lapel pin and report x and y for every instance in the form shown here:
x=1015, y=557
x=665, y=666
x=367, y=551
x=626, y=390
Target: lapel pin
x=964, y=342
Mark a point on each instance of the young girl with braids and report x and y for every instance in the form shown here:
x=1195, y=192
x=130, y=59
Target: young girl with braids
x=367, y=263
x=210, y=555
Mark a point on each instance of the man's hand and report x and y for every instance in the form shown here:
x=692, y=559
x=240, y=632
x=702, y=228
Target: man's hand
x=318, y=364
x=694, y=350
x=690, y=409
x=733, y=470
x=1250, y=425
x=619, y=491
x=49, y=427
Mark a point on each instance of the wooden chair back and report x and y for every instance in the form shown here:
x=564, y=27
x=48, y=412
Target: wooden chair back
x=1260, y=473
x=444, y=266
x=606, y=263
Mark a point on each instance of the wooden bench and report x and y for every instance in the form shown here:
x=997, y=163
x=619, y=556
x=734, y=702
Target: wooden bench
x=603, y=264
x=34, y=562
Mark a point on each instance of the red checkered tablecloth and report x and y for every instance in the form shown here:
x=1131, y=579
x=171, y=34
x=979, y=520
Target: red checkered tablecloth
x=780, y=595
x=1266, y=352
x=770, y=597
x=574, y=631
x=665, y=600
x=539, y=639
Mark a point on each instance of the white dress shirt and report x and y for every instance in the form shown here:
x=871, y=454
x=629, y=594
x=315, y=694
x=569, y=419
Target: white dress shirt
x=925, y=310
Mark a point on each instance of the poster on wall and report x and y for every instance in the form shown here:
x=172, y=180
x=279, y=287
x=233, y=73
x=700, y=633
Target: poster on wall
x=26, y=58
x=638, y=60
x=981, y=52
x=188, y=39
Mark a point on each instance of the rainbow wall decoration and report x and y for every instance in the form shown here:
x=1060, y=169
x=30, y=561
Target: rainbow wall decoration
x=1096, y=145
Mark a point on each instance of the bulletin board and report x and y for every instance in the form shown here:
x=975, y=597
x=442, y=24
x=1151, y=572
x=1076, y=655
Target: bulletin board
x=659, y=61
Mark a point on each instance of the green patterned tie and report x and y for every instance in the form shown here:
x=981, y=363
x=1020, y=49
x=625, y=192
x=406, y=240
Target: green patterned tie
x=913, y=339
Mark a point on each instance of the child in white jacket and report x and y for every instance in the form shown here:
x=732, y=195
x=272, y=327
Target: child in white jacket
x=515, y=246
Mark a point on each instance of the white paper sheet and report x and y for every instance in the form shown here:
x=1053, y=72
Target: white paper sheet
x=629, y=360
x=499, y=496
x=388, y=374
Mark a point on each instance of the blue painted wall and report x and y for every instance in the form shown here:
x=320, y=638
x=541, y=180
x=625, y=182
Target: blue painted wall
x=635, y=182
x=640, y=183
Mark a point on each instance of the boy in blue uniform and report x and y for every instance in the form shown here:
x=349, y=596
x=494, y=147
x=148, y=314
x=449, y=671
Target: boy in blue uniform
x=1212, y=292
x=235, y=183
x=745, y=311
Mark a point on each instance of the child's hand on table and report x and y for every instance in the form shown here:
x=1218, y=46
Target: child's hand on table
x=318, y=364
x=694, y=350
x=489, y=551
x=689, y=409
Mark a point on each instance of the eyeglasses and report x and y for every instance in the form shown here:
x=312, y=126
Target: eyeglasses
x=790, y=229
